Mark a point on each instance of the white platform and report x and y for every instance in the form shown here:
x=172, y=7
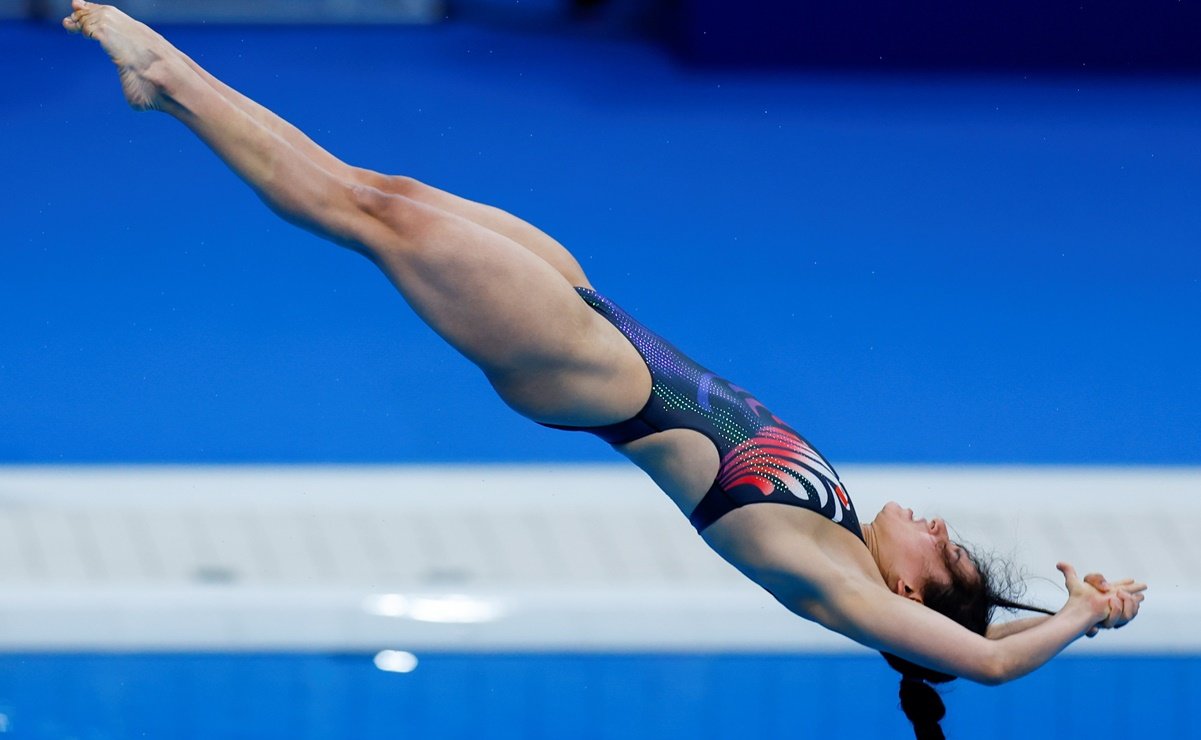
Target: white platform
x=515, y=557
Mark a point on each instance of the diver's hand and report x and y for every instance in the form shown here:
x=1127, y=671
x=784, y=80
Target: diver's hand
x=1130, y=594
x=1085, y=598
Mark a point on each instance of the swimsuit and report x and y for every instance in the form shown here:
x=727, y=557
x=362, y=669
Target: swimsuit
x=762, y=458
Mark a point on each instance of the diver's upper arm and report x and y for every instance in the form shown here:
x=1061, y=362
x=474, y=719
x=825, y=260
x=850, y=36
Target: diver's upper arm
x=879, y=619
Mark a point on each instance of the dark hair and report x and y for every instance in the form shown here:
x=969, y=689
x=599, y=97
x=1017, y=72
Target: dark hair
x=971, y=603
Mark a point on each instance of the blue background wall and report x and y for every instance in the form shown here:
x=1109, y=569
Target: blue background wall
x=1065, y=34
x=907, y=268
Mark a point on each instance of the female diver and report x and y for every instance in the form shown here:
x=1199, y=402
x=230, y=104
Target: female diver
x=517, y=304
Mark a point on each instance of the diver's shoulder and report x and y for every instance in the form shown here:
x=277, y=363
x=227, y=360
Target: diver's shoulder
x=790, y=549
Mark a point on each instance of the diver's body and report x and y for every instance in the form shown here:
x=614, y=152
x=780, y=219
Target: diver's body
x=504, y=295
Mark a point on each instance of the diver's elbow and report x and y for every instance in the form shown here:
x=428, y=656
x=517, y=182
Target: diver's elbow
x=995, y=670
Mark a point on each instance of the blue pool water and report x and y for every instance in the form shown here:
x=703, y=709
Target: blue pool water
x=907, y=268
x=617, y=697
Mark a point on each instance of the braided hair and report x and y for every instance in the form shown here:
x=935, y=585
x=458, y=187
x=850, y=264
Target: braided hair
x=969, y=602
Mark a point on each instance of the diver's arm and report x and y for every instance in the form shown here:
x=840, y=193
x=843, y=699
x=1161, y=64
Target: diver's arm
x=1128, y=590
x=1004, y=629
x=873, y=616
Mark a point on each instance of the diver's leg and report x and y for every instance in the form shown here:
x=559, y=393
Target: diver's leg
x=550, y=356
x=495, y=219
x=490, y=217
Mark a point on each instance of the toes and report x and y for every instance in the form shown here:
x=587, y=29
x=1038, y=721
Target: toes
x=79, y=23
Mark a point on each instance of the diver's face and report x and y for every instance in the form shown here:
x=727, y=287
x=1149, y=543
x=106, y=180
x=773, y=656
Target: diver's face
x=915, y=551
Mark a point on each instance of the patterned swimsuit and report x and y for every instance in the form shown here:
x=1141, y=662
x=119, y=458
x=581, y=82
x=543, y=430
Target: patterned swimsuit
x=762, y=458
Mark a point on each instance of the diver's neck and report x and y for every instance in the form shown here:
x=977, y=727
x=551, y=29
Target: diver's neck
x=869, y=539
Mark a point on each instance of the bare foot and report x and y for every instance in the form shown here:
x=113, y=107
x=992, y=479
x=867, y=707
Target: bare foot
x=144, y=59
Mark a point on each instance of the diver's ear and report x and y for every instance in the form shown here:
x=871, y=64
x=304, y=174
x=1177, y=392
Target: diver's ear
x=904, y=589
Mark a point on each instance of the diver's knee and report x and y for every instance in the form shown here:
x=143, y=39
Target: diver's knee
x=401, y=185
x=386, y=221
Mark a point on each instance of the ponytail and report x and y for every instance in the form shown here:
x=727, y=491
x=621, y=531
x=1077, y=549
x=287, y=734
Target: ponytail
x=920, y=701
x=924, y=708
x=970, y=603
